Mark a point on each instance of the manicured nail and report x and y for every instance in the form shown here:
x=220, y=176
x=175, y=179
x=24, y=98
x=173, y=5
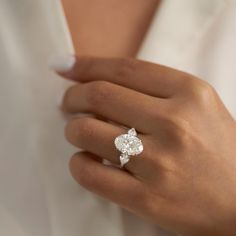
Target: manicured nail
x=62, y=64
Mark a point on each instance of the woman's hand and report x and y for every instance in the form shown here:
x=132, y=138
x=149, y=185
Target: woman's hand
x=185, y=179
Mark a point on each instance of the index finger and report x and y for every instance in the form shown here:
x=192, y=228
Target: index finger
x=149, y=78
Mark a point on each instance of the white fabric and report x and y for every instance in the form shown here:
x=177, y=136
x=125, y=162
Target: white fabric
x=37, y=194
x=197, y=36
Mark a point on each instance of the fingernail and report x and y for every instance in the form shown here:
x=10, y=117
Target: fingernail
x=62, y=64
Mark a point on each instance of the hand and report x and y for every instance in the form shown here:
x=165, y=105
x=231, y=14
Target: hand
x=185, y=179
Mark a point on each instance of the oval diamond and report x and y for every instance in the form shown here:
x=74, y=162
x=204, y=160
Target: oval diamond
x=129, y=144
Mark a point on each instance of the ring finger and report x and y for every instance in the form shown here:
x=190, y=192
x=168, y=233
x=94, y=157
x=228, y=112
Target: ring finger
x=97, y=137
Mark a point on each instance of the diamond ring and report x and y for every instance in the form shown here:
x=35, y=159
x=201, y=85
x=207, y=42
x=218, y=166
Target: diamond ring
x=129, y=145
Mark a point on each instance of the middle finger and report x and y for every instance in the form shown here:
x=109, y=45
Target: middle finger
x=113, y=102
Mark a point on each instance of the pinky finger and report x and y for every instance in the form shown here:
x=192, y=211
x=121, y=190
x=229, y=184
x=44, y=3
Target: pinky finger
x=109, y=182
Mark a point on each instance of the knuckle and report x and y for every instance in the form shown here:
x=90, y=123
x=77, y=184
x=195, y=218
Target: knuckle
x=183, y=135
x=202, y=91
x=181, y=130
x=126, y=66
x=85, y=130
x=178, y=132
x=79, y=130
x=99, y=92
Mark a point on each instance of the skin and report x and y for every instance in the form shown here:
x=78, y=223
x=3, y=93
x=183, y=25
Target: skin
x=184, y=180
x=109, y=27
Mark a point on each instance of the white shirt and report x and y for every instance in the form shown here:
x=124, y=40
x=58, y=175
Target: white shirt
x=37, y=194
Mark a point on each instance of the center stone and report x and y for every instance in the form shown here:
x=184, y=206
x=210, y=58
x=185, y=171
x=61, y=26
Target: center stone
x=129, y=144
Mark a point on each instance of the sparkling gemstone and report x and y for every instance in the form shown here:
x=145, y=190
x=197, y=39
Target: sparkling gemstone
x=124, y=158
x=129, y=143
x=132, y=132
